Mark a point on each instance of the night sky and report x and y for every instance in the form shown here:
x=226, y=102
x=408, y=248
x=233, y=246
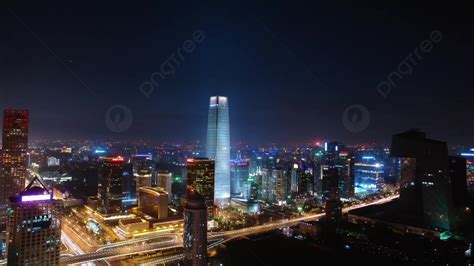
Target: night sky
x=289, y=70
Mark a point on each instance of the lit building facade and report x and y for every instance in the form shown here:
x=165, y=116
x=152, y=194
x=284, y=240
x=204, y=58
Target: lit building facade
x=109, y=189
x=201, y=178
x=163, y=180
x=14, y=153
x=34, y=231
x=344, y=161
x=239, y=175
x=469, y=156
x=143, y=171
x=218, y=147
x=153, y=201
x=195, y=230
x=267, y=192
x=369, y=175
x=294, y=178
x=345, y=164
x=280, y=182
x=330, y=187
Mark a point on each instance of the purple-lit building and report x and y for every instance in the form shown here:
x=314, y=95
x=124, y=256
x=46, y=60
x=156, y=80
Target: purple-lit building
x=34, y=227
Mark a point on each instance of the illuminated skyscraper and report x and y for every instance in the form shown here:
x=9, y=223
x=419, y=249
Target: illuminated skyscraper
x=218, y=147
x=267, y=186
x=369, y=174
x=239, y=174
x=344, y=161
x=330, y=187
x=280, y=185
x=143, y=171
x=200, y=177
x=163, y=180
x=195, y=230
x=14, y=153
x=294, y=178
x=34, y=234
x=109, y=190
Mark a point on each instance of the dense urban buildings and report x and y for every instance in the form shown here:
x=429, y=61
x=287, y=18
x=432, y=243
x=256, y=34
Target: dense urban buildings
x=195, y=229
x=218, y=146
x=113, y=158
x=34, y=227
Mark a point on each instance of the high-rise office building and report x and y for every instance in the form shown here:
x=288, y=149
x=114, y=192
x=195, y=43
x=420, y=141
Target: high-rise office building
x=369, y=174
x=294, y=178
x=143, y=171
x=344, y=161
x=331, y=171
x=195, y=229
x=153, y=201
x=330, y=187
x=280, y=185
x=267, y=192
x=201, y=177
x=14, y=153
x=218, y=147
x=252, y=191
x=109, y=189
x=163, y=180
x=239, y=174
x=425, y=183
x=34, y=227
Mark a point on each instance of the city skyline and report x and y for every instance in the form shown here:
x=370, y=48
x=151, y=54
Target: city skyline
x=233, y=133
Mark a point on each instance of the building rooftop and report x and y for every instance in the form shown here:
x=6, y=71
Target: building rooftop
x=129, y=221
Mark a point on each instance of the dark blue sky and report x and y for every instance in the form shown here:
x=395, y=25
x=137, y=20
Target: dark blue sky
x=289, y=70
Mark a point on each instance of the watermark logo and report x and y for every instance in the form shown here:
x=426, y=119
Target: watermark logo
x=171, y=64
x=118, y=118
x=405, y=67
x=356, y=118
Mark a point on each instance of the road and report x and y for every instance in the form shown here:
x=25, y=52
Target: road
x=121, y=251
x=118, y=250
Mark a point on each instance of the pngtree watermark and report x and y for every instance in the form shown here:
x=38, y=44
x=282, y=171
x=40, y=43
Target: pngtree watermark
x=172, y=62
x=118, y=118
x=356, y=118
x=405, y=67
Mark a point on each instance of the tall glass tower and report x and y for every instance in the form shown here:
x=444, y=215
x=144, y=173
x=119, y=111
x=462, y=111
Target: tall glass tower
x=218, y=147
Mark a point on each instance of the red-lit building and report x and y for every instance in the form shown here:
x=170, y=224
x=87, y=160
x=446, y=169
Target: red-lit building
x=14, y=153
x=109, y=189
